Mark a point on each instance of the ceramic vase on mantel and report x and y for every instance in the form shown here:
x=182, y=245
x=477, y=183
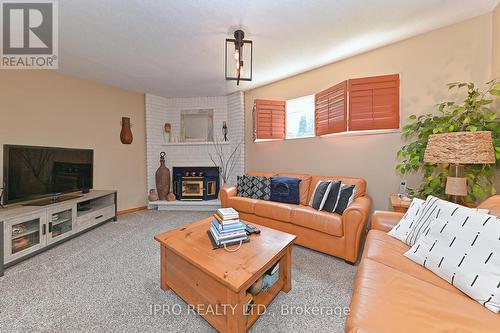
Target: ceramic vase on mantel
x=162, y=179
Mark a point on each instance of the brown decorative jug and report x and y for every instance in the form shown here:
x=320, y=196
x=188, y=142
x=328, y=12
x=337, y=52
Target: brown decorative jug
x=171, y=196
x=126, y=136
x=162, y=179
x=153, y=196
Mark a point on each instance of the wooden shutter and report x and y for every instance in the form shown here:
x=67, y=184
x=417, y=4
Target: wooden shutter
x=374, y=103
x=269, y=119
x=330, y=114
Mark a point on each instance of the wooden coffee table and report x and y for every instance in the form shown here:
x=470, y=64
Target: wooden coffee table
x=214, y=282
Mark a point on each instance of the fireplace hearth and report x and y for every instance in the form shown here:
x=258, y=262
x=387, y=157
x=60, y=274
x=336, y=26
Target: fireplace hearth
x=196, y=183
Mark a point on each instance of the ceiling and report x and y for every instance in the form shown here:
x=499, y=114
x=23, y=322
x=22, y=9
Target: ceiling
x=176, y=47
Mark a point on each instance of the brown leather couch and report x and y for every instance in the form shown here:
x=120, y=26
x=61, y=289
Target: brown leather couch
x=331, y=233
x=394, y=294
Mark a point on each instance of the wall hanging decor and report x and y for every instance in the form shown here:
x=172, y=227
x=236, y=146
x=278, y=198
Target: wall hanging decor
x=162, y=177
x=126, y=136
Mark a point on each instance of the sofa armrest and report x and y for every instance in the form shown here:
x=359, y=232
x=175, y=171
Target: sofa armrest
x=493, y=204
x=226, y=192
x=385, y=221
x=354, y=222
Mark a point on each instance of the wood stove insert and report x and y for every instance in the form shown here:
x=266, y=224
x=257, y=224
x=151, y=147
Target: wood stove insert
x=196, y=183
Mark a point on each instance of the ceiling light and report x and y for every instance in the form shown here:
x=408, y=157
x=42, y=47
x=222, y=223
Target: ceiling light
x=238, y=58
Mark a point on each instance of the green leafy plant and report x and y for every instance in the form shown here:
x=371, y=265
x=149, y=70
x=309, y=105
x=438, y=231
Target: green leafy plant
x=474, y=113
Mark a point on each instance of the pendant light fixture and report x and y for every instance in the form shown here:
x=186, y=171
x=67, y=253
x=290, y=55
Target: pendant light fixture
x=238, y=58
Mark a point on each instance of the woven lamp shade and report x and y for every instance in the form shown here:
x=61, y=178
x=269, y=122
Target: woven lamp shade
x=460, y=148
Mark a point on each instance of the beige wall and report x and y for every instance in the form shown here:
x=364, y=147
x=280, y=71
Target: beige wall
x=496, y=42
x=426, y=63
x=48, y=109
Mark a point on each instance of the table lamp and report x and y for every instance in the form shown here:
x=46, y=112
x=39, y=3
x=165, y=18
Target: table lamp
x=457, y=149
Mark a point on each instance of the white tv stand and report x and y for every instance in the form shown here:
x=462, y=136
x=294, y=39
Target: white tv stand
x=28, y=230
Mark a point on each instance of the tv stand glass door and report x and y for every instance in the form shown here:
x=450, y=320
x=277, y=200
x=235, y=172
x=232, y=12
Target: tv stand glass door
x=61, y=223
x=24, y=235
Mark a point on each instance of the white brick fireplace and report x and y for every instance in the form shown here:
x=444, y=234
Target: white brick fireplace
x=160, y=110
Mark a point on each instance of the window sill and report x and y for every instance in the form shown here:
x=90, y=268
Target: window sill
x=302, y=137
x=196, y=143
x=267, y=140
x=341, y=134
x=287, y=139
x=361, y=133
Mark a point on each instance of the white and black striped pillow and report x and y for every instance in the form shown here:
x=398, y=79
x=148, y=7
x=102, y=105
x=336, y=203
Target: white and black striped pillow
x=432, y=209
x=346, y=196
x=320, y=194
x=333, y=196
x=463, y=248
x=406, y=224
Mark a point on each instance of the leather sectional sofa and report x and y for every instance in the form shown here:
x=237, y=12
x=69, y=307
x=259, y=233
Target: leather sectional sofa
x=394, y=294
x=331, y=233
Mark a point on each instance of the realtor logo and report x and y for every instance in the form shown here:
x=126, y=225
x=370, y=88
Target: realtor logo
x=29, y=34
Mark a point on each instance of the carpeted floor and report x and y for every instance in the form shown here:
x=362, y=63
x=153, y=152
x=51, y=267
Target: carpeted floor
x=107, y=280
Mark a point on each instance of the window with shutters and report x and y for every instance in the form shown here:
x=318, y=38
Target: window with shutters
x=300, y=117
x=374, y=103
x=331, y=110
x=269, y=119
x=355, y=105
x=362, y=105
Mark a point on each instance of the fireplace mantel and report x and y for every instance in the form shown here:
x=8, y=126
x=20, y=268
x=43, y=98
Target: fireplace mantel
x=160, y=110
x=196, y=143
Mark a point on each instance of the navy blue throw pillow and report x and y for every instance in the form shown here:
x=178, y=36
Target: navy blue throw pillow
x=285, y=189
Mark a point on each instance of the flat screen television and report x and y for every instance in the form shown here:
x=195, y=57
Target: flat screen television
x=31, y=172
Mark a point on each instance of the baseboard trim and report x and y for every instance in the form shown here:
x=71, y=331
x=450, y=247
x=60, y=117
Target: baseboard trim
x=131, y=210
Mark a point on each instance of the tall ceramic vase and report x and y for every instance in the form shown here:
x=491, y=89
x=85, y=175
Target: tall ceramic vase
x=162, y=179
x=126, y=133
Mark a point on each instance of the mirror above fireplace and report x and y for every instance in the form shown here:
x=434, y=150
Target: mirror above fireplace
x=197, y=125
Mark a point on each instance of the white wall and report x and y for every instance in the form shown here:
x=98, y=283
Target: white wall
x=160, y=110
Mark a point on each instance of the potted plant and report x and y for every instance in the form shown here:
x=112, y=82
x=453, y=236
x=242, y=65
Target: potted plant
x=475, y=113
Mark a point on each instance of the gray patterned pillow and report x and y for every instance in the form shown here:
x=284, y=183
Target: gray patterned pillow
x=254, y=187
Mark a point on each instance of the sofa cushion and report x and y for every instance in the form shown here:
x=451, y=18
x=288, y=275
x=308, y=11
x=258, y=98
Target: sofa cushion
x=308, y=217
x=304, y=186
x=406, y=224
x=333, y=196
x=320, y=194
x=346, y=196
x=434, y=208
x=359, y=182
x=381, y=247
x=285, y=189
x=241, y=204
x=463, y=249
x=274, y=210
x=387, y=300
x=254, y=187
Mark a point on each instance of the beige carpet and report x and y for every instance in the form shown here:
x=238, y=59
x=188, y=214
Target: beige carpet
x=107, y=280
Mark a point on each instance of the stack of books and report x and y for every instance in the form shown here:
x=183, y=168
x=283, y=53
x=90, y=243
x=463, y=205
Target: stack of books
x=226, y=228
